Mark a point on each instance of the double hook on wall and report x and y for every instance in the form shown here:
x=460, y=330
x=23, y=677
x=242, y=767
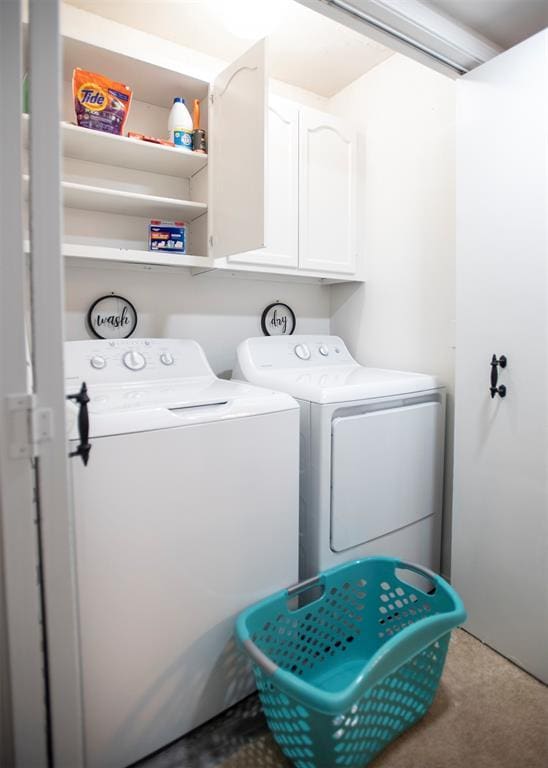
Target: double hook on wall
x=499, y=390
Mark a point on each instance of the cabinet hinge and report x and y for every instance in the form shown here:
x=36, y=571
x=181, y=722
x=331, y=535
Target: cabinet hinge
x=29, y=426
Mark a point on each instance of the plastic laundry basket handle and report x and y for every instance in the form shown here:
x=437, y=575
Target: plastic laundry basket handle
x=261, y=659
x=302, y=586
x=420, y=569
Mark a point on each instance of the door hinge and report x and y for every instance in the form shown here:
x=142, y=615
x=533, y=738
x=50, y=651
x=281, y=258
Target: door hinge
x=211, y=98
x=29, y=426
x=211, y=241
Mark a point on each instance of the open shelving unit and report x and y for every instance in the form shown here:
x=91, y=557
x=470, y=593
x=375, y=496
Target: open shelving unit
x=113, y=185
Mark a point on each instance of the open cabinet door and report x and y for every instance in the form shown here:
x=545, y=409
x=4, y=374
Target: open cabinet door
x=237, y=155
x=500, y=515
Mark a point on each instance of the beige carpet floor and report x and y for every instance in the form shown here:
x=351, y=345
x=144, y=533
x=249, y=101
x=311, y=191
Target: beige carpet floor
x=488, y=713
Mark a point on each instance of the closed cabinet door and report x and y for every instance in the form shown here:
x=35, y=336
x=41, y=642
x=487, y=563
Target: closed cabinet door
x=327, y=194
x=281, y=188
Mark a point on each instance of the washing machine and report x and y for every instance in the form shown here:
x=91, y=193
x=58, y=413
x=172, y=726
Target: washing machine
x=186, y=513
x=371, y=450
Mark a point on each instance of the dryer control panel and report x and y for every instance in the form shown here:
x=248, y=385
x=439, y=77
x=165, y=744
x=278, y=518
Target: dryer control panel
x=299, y=351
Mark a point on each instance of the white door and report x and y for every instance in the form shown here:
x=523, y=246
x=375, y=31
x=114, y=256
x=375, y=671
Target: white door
x=500, y=518
x=237, y=152
x=36, y=533
x=23, y=717
x=327, y=193
x=282, y=184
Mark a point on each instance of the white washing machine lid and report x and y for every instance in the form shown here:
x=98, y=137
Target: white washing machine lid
x=327, y=376
x=157, y=395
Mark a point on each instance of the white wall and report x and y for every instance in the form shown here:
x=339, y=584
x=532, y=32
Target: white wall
x=217, y=310
x=403, y=317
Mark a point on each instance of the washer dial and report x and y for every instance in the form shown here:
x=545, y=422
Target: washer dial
x=166, y=358
x=134, y=360
x=323, y=350
x=97, y=362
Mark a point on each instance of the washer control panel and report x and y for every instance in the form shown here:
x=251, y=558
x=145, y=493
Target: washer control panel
x=108, y=361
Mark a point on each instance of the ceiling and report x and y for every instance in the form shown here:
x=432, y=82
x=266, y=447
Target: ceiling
x=504, y=22
x=306, y=49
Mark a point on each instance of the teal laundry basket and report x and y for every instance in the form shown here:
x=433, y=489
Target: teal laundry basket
x=349, y=660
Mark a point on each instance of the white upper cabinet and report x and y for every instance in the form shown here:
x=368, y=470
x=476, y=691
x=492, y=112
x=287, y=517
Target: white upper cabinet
x=273, y=194
x=237, y=128
x=282, y=183
x=327, y=194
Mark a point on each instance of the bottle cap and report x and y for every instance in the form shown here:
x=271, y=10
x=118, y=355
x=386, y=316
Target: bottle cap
x=178, y=99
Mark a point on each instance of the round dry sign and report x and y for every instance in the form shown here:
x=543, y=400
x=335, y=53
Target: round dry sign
x=278, y=320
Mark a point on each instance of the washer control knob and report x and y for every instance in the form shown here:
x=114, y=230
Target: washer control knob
x=166, y=358
x=97, y=362
x=323, y=350
x=134, y=360
x=302, y=352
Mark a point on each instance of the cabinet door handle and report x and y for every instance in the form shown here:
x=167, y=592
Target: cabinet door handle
x=499, y=390
x=84, y=447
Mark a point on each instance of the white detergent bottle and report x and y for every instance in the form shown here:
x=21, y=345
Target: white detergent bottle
x=180, y=124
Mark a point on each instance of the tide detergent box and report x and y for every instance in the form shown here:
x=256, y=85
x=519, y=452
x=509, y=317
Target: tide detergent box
x=167, y=236
x=100, y=103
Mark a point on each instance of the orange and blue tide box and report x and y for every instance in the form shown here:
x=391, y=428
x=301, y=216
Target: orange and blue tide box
x=167, y=236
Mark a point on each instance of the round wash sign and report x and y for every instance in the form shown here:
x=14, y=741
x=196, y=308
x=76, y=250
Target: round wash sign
x=112, y=317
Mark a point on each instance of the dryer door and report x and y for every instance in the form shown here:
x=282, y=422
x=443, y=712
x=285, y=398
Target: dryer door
x=386, y=471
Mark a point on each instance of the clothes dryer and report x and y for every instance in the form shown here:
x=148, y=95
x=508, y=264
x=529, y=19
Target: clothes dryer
x=371, y=455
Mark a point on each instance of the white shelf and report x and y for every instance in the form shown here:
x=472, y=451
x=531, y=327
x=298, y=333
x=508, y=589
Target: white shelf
x=133, y=256
x=123, y=152
x=103, y=253
x=88, y=198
